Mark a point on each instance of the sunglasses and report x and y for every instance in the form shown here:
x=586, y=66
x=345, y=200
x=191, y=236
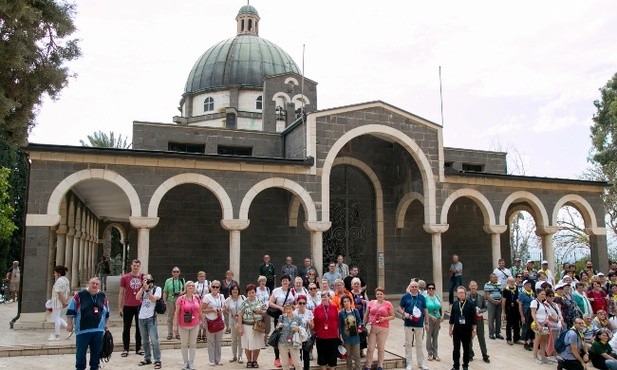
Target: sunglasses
x=302, y=303
x=215, y=286
x=431, y=288
x=519, y=276
x=176, y=271
x=312, y=288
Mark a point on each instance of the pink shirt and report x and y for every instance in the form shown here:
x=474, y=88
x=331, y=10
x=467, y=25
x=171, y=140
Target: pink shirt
x=131, y=285
x=186, y=305
x=379, y=311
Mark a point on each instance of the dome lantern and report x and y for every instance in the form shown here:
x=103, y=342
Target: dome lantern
x=248, y=21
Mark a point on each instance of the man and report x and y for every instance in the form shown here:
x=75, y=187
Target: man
x=128, y=307
x=303, y=271
x=103, y=269
x=502, y=272
x=341, y=266
x=462, y=328
x=456, y=277
x=509, y=309
x=478, y=301
x=13, y=276
x=530, y=273
x=516, y=268
x=492, y=294
x=171, y=291
x=289, y=268
x=148, y=295
x=414, y=311
x=353, y=272
x=332, y=275
x=267, y=269
x=87, y=314
x=550, y=277
x=525, y=297
x=588, y=269
x=571, y=356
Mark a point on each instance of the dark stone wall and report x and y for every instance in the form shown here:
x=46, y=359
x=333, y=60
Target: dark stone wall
x=493, y=162
x=34, y=269
x=294, y=139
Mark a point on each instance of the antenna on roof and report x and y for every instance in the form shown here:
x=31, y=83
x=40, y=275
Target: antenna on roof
x=302, y=113
x=441, y=96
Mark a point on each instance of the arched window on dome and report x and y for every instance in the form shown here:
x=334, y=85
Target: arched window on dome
x=208, y=104
x=259, y=103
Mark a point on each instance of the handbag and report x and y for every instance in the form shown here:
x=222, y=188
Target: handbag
x=273, y=340
x=308, y=345
x=216, y=325
x=275, y=312
x=259, y=326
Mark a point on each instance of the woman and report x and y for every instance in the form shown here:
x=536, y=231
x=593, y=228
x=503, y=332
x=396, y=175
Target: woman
x=60, y=294
x=325, y=320
x=212, y=306
x=232, y=307
x=187, y=320
x=539, y=314
x=555, y=323
x=279, y=298
x=601, y=355
x=601, y=321
x=581, y=300
x=339, y=293
x=202, y=287
x=597, y=297
x=566, y=303
x=225, y=289
x=585, y=279
x=252, y=310
x=350, y=325
x=612, y=301
x=433, y=306
x=306, y=315
x=378, y=314
x=314, y=294
x=289, y=324
x=311, y=278
x=325, y=287
x=299, y=289
x=263, y=293
x=360, y=300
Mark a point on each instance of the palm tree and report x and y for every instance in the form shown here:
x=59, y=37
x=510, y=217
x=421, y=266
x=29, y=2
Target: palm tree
x=101, y=140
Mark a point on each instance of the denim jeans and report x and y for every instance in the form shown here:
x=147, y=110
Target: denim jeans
x=150, y=335
x=94, y=340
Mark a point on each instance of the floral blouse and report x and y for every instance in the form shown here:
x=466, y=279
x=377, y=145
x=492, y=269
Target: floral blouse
x=248, y=308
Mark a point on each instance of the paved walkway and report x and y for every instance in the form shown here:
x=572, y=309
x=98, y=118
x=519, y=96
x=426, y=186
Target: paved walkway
x=24, y=344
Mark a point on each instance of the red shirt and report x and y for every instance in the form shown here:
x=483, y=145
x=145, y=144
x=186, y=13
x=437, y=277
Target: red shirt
x=599, y=300
x=131, y=285
x=326, y=321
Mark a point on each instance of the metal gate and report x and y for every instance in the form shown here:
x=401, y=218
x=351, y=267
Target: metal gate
x=352, y=213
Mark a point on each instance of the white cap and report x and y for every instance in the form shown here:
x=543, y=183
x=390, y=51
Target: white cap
x=545, y=262
x=526, y=281
x=531, y=261
x=560, y=286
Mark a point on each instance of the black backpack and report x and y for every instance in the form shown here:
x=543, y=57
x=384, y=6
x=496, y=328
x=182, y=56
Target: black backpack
x=560, y=342
x=159, y=306
x=108, y=346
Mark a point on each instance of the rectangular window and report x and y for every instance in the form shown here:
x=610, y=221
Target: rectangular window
x=473, y=167
x=187, y=148
x=235, y=150
x=447, y=164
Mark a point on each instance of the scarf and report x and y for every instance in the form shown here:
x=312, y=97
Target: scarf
x=586, y=304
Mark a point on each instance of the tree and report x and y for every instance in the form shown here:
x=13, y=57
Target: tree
x=604, y=151
x=101, y=140
x=34, y=48
x=7, y=226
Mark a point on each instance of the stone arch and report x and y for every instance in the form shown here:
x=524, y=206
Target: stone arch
x=488, y=212
x=540, y=214
x=279, y=182
x=191, y=178
x=53, y=205
x=294, y=208
x=581, y=205
x=409, y=144
x=301, y=99
x=378, y=196
x=403, y=205
x=281, y=95
x=292, y=80
x=120, y=229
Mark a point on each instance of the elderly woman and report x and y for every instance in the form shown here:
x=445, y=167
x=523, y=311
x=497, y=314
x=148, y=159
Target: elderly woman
x=314, y=294
x=601, y=321
x=263, y=293
x=339, y=293
x=311, y=278
x=597, y=297
x=360, y=300
x=232, y=307
x=202, y=287
x=435, y=318
x=325, y=320
x=289, y=324
x=378, y=315
x=299, y=289
x=581, y=300
x=307, y=323
x=59, y=300
x=186, y=319
x=213, y=305
x=565, y=301
x=252, y=310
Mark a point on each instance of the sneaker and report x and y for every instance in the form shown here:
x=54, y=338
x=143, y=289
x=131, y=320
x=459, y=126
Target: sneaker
x=408, y=367
x=491, y=336
x=436, y=358
x=551, y=359
x=510, y=343
x=211, y=364
x=234, y=359
x=240, y=360
x=430, y=357
x=499, y=336
x=537, y=361
x=423, y=367
x=53, y=337
x=277, y=363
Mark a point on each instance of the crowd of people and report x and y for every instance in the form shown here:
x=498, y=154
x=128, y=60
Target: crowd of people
x=567, y=319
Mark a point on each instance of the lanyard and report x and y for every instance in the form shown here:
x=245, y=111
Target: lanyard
x=461, y=306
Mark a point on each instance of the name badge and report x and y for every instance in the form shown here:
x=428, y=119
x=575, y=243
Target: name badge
x=326, y=327
x=461, y=320
x=96, y=309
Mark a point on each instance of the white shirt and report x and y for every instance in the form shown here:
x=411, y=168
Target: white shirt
x=213, y=302
x=61, y=285
x=263, y=294
x=502, y=276
x=279, y=296
x=147, y=307
x=201, y=289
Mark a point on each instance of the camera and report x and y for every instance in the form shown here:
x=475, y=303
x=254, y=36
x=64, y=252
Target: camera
x=149, y=281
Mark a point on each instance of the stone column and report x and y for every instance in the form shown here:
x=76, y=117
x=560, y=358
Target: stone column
x=143, y=226
x=317, y=228
x=234, y=227
x=597, y=247
x=61, y=244
x=75, y=261
x=82, y=257
x=436, y=230
x=68, y=252
x=495, y=231
x=546, y=233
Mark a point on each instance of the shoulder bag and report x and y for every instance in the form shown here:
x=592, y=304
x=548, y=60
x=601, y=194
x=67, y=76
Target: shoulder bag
x=275, y=312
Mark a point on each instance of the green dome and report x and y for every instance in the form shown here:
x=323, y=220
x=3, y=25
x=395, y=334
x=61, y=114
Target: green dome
x=248, y=9
x=244, y=61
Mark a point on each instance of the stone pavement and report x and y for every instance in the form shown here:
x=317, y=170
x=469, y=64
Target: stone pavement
x=29, y=349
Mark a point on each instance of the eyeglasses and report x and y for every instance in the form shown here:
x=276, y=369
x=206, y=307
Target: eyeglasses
x=215, y=286
x=302, y=303
x=431, y=288
x=519, y=276
x=312, y=288
x=176, y=271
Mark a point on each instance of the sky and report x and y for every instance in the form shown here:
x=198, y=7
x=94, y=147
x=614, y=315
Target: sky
x=517, y=76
